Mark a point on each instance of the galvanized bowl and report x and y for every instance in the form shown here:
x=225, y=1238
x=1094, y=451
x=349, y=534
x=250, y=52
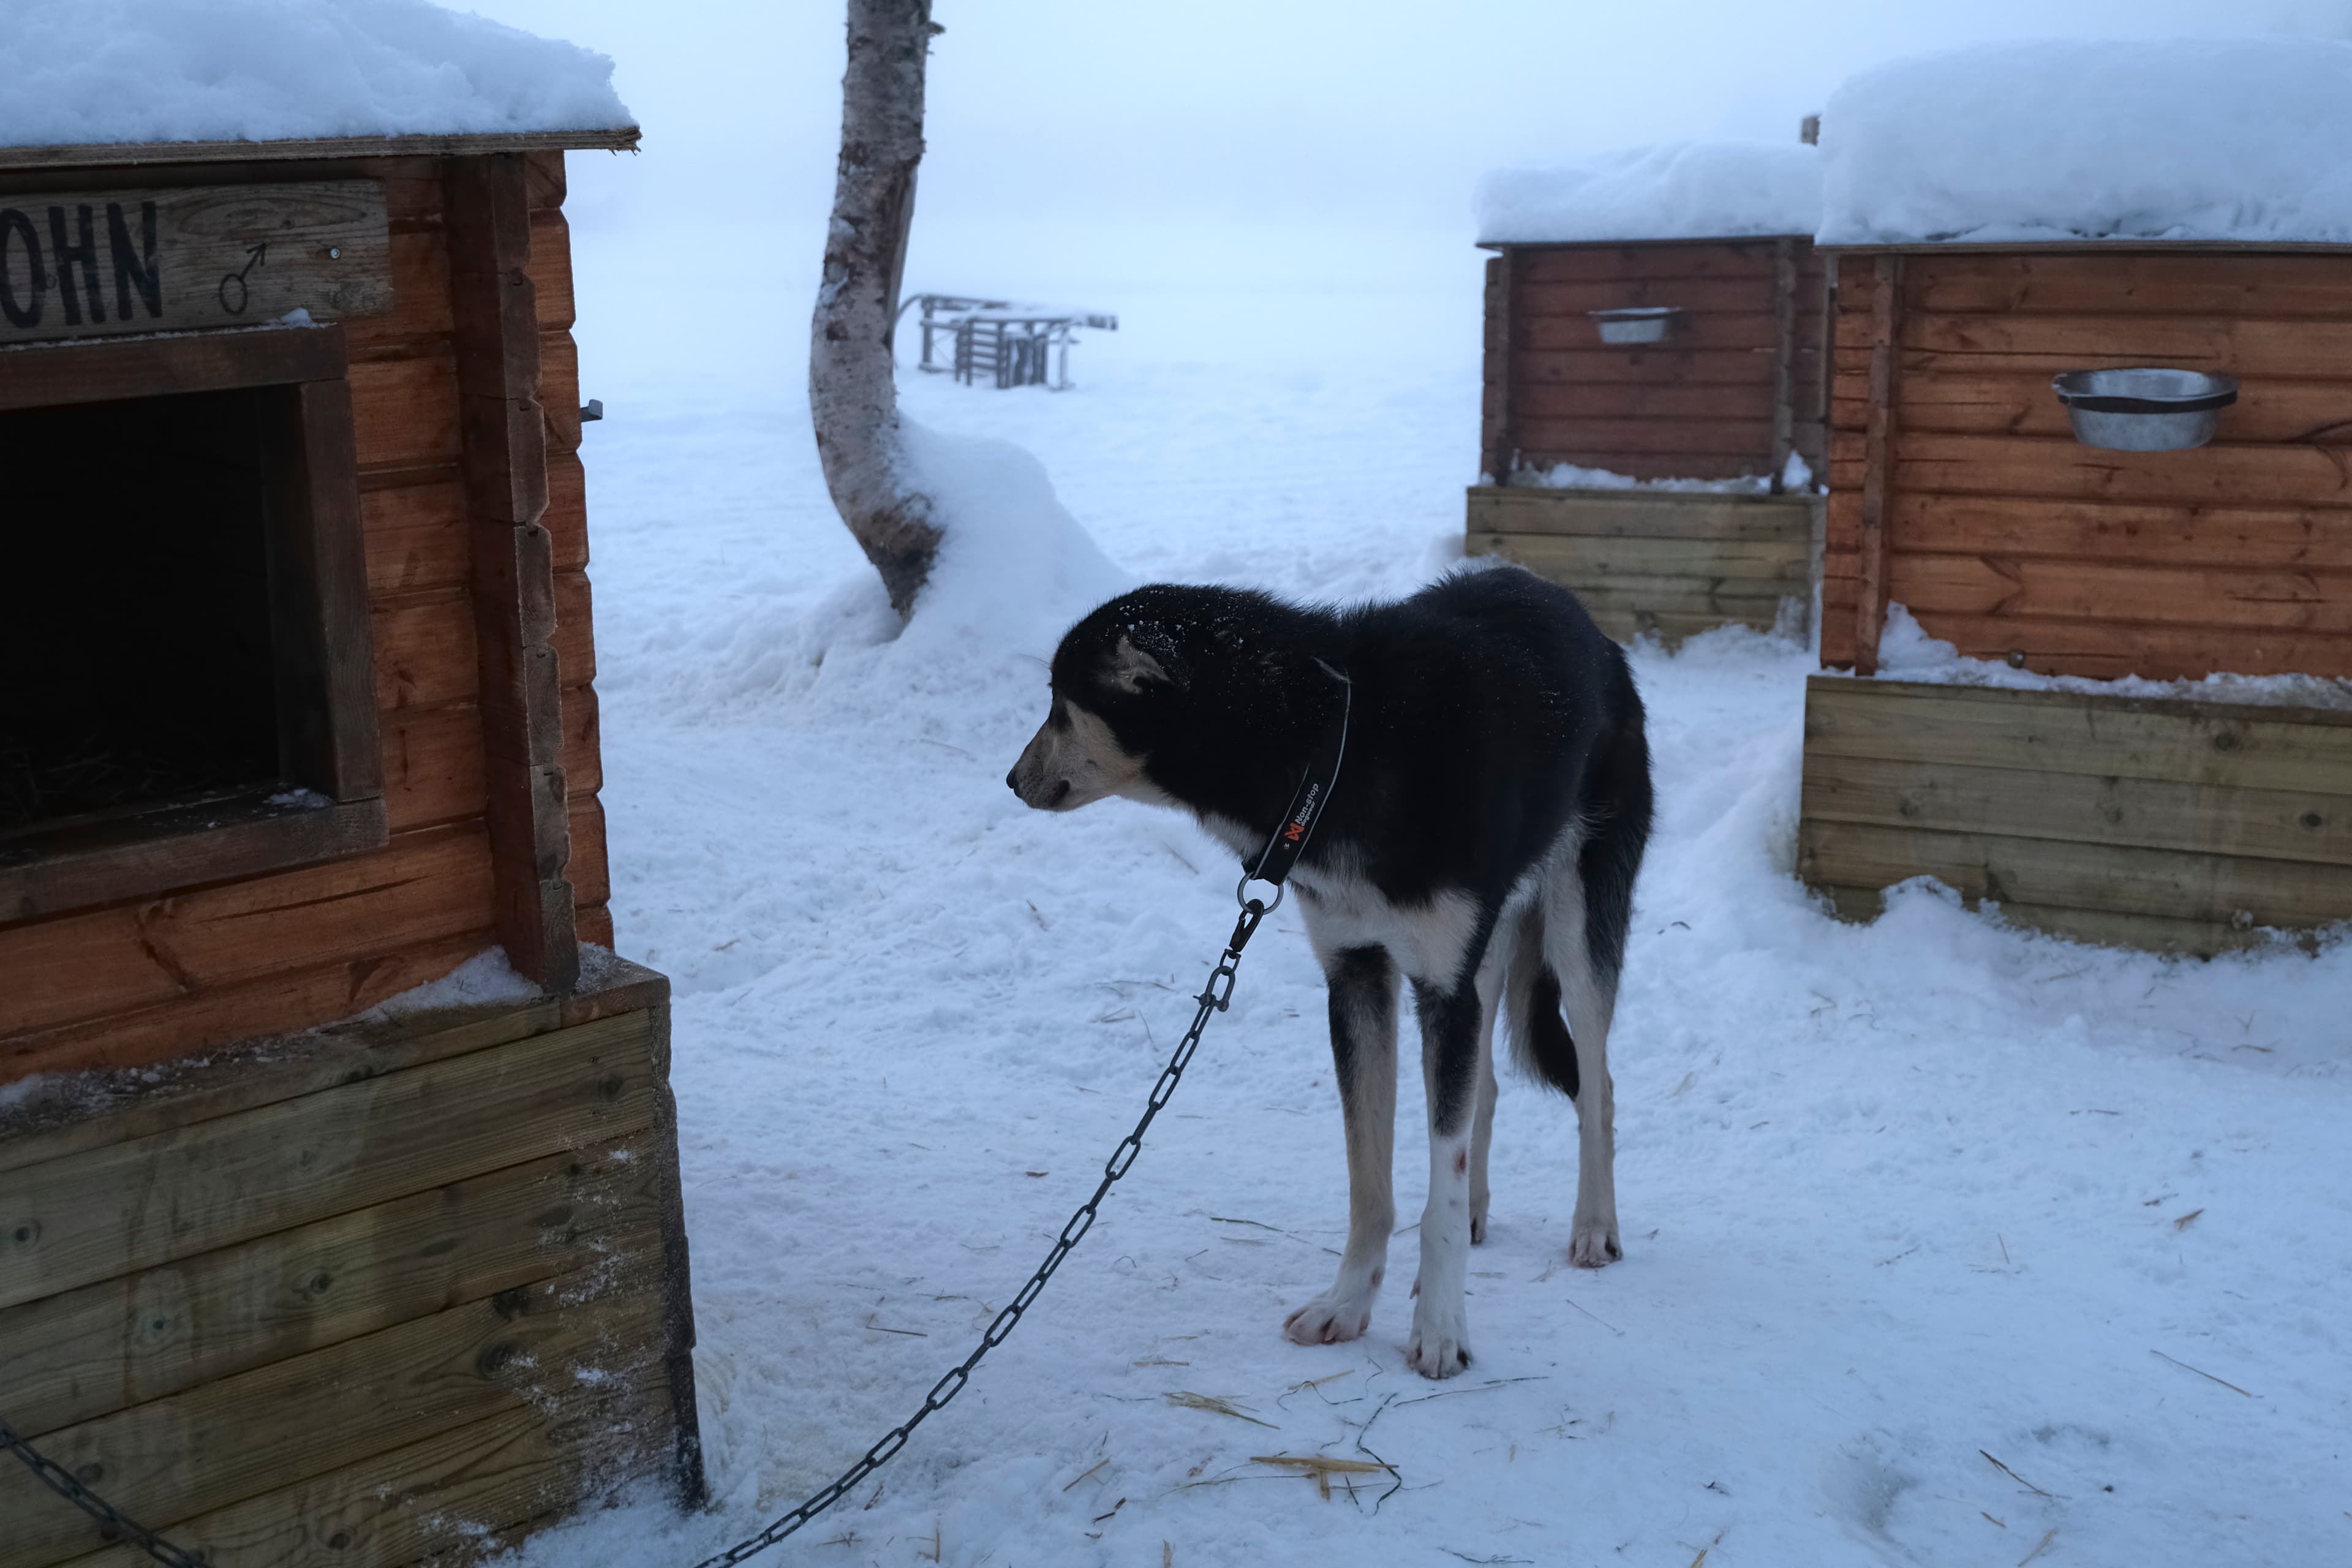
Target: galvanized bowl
x=1635, y=324
x=2144, y=409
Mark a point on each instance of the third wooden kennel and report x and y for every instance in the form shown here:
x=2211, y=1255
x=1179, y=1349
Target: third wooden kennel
x=1649, y=475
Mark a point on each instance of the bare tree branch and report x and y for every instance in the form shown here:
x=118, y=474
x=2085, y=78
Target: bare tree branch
x=853, y=398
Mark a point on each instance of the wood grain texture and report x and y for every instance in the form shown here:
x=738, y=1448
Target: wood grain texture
x=1662, y=364
x=2153, y=933
x=2070, y=874
x=91, y=1351
x=2099, y=591
x=181, y=847
x=2020, y=402
x=1660, y=437
x=2208, y=819
x=188, y=257
x=1639, y=514
x=371, y=150
x=318, y=594
x=115, y=1106
x=404, y=411
x=47, y=375
x=418, y=319
x=2140, y=533
x=2108, y=650
x=1784, y=345
x=1879, y=480
x=309, y=1415
x=422, y=888
x=1646, y=465
x=1747, y=259
x=2233, y=345
x=2030, y=803
x=447, y=1499
x=120, y=1037
x=2219, y=745
x=1599, y=561
x=2017, y=542
x=1750, y=333
x=515, y=596
x=2194, y=285
x=1748, y=401
x=78, y=1220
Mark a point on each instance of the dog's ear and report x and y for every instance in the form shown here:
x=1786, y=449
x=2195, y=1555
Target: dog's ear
x=1132, y=669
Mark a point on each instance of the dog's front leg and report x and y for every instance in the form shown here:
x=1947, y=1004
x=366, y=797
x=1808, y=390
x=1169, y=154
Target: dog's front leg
x=1452, y=1041
x=1363, y=1053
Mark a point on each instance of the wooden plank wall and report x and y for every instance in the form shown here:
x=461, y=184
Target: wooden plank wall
x=1700, y=406
x=144, y=981
x=2174, y=825
x=289, y=1317
x=1655, y=562
x=2006, y=537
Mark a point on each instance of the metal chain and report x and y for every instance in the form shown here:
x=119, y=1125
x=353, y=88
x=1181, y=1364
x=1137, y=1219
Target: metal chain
x=1214, y=998
x=113, y=1522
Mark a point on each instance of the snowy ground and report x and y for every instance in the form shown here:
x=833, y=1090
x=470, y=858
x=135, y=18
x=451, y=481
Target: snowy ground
x=1896, y=1198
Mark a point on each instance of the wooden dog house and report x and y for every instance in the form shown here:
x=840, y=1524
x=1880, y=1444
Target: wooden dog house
x=299, y=716
x=1958, y=489
x=1692, y=433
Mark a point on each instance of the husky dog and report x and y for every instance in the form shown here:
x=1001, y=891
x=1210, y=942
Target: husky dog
x=1482, y=840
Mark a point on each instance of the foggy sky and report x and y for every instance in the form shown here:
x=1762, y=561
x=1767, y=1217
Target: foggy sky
x=1371, y=112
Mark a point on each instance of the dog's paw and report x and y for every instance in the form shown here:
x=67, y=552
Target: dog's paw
x=1440, y=1347
x=1594, y=1245
x=1477, y=1224
x=1333, y=1317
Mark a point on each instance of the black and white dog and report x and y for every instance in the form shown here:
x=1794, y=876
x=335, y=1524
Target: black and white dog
x=1482, y=840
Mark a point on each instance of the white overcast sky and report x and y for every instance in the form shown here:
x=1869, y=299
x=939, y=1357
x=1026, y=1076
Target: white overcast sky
x=1358, y=111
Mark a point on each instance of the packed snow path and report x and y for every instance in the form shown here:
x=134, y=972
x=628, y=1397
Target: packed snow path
x=1899, y=1201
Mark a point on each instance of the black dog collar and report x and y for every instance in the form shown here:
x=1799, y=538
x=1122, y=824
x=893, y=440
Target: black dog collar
x=1282, y=852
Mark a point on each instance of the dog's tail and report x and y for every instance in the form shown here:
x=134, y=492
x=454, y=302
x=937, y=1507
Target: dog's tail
x=1539, y=1037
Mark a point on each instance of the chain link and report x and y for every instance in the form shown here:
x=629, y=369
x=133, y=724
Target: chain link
x=1214, y=997
x=113, y=1522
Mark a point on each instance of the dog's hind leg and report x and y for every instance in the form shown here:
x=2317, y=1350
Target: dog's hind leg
x=1589, y=997
x=1586, y=911
x=1482, y=1125
x=1456, y=1026
x=1363, y=983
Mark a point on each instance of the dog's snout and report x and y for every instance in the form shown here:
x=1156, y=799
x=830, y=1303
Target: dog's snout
x=1012, y=778
x=1061, y=792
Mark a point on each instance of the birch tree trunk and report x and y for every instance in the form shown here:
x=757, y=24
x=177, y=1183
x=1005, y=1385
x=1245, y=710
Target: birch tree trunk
x=853, y=398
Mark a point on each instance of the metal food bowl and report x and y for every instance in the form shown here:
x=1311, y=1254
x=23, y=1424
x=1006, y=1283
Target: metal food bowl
x=2144, y=409
x=1635, y=324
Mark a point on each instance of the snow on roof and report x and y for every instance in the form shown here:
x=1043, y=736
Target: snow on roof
x=114, y=71
x=1676, y=190
x=2192, y=139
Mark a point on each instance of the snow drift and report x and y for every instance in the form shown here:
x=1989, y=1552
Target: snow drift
x=2202, y=139
x=1677, y=190
x=264, y=71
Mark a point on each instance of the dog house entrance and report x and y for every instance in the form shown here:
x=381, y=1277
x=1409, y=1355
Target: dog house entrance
x=186, y=689
x=134, y=608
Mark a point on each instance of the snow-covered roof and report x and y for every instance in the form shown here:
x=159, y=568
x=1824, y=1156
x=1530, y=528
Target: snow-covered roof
x=2197, y=139
x=1676, y=190
x=116, y=72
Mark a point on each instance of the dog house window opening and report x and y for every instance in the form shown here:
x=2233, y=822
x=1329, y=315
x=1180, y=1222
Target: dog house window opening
x=136, y=659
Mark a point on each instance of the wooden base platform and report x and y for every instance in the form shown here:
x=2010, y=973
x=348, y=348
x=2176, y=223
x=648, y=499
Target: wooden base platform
x=2177, y=826
x=388, y=1292
x=1669, y=562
